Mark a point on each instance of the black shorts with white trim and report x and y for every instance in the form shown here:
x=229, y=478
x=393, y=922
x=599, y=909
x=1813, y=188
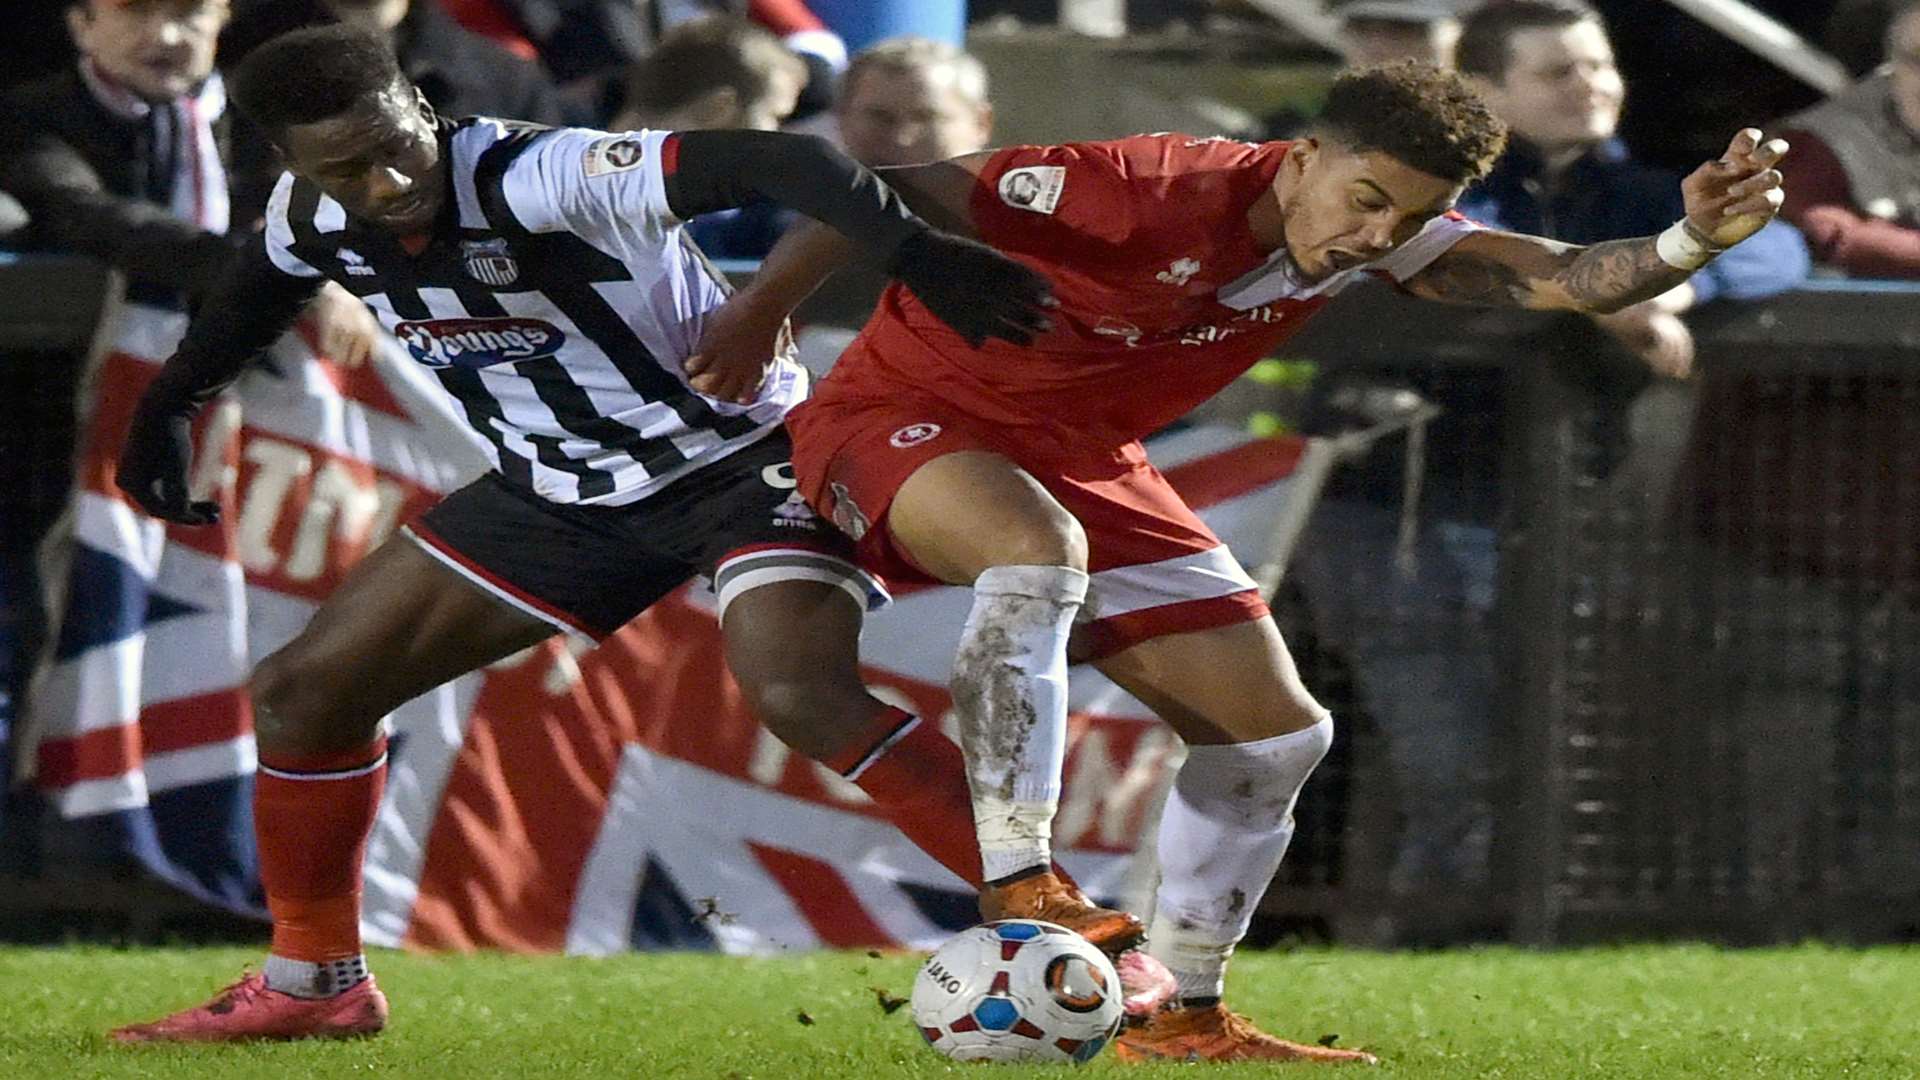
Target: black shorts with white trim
x=590, y=569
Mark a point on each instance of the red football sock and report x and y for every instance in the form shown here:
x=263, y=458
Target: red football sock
x=312, y=815
x=918, y=778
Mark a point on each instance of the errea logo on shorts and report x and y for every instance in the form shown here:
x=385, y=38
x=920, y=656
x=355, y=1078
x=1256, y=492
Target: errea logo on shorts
x=913, y=435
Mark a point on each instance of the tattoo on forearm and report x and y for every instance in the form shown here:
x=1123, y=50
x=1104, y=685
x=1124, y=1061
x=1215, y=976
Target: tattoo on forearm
x=1461, y=277
x=1618, y=273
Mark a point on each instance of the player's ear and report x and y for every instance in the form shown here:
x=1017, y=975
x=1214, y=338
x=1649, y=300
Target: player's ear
x=1302, y=154
x=426, y=107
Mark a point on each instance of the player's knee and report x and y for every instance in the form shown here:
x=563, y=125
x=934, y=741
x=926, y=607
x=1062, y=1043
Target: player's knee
x=815, y=717
x=1056, y=540
x=296, y=709
x=1254, y=783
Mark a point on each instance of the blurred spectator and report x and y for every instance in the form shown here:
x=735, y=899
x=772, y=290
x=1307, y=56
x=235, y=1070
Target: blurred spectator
x=716, y=72
x=590, y=45
x=120, y=157
x=719, y=72
x=462, y=73
x=1853, y=179
x=1855, y=33
x=1547, y=68
x=1401, y=561
x=1382, y=31
x=911, y=100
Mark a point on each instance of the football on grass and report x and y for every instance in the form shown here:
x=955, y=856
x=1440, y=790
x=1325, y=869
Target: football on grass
x=1017, y=990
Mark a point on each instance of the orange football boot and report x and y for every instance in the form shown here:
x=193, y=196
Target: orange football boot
x=248, y=1010
x=1215, y=1034
x=1045, y=897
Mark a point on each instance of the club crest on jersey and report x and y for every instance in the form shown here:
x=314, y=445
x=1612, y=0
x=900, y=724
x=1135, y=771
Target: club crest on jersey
x=1036, y=187
x=478, y=343
x=913, y=435
x=613, y=154
x=1178, y=271
x=488, y=262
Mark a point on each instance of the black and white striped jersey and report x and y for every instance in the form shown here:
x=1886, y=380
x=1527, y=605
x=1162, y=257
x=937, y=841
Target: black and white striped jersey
x=557, y=305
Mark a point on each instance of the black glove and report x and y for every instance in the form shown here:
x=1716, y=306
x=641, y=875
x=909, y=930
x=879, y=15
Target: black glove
x=972, y=288
x=157, y=454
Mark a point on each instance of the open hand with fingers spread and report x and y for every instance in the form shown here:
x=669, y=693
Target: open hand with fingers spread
x=1732, y=197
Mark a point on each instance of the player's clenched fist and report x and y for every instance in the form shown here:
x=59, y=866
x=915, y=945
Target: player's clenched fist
x=1730, y=198
x=972, y=288
x=155, y=459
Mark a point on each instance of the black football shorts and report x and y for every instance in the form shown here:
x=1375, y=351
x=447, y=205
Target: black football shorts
x=590, y=569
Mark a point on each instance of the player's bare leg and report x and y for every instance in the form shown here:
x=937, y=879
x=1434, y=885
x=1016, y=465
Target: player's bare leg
x=975, y=518
x=401, y=624
x=1254, y=734
x=794, y=648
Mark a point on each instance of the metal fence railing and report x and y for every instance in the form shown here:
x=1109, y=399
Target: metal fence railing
x=1704, y=634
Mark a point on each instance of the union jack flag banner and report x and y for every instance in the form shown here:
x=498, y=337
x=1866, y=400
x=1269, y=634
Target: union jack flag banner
x=563, y=799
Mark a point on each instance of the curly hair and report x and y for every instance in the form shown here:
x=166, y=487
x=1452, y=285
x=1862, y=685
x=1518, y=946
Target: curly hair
x=1417, y=114
x=311, y=75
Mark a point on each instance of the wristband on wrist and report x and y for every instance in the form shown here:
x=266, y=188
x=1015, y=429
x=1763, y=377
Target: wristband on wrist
x=1684, y=247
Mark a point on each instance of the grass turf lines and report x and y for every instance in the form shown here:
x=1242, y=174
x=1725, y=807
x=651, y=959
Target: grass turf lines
x=1637, y=1012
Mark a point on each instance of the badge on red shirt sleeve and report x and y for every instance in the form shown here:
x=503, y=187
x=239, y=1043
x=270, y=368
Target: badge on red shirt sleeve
x=1033, y=187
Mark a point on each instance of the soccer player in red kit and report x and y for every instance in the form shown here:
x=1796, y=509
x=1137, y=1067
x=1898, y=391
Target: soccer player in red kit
x=1176, y=262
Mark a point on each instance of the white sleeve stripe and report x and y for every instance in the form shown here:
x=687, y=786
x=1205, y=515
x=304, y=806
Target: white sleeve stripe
x=289, y=263
x=580, y=180
x=1433, y=240
x=465, y=156
x=279, y=237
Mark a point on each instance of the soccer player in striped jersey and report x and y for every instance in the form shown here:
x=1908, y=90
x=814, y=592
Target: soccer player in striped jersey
x=545, y=277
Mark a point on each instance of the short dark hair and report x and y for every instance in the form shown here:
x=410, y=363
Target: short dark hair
x=706, y=54
x=314, y=74
x=1486, y=33
x=1417, y=114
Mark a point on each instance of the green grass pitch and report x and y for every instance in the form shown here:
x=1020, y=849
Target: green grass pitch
x=1632, y=1013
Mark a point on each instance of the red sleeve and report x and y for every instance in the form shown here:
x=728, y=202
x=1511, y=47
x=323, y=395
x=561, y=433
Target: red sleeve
x=1055, y=200
x=1820, y=202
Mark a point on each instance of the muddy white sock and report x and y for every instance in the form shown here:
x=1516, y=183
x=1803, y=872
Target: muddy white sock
x=1226, y=827
x=1010, y=689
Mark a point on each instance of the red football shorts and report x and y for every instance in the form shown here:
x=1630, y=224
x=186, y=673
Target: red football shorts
x=1156, y=568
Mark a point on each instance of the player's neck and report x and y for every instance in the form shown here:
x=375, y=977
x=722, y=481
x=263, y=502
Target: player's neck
x=1267, y=222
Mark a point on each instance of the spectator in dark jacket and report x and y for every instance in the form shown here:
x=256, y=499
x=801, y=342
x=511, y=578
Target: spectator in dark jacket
x=1547, y=68
x=120, y=157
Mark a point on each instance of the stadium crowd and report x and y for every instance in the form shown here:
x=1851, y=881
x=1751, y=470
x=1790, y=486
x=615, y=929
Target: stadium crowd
x=121, y=147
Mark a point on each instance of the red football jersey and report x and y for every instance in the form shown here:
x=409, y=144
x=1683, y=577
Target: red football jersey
x=1164, y=297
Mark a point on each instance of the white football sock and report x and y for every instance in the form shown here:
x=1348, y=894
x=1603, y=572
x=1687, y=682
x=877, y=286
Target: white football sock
x=1010, y=690
x=308, y=979
x=1225, y=829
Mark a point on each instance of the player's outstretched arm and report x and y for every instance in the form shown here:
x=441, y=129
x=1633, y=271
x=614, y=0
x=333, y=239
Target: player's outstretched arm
x=249, y=310
x=1727, y=200
x=977, y=291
